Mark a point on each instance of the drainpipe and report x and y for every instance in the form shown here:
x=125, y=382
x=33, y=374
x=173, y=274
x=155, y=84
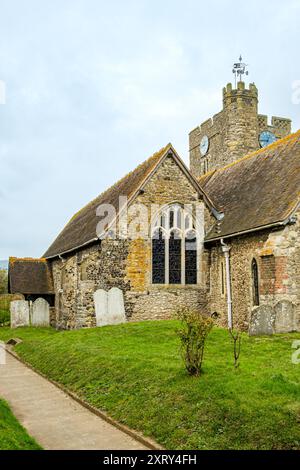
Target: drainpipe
x=226, y=251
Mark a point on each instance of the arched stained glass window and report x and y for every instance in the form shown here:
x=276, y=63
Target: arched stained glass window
x=190, y=258
x=158, y=257
x=174, y=247
x=175, y=257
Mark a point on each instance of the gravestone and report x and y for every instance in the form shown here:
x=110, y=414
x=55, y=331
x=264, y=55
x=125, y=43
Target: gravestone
x=19, y=313
x=109, y=307
x=40, y=313
x=18, y=297
x=262, y=321
x=285, y=317
x=116, y=308
x=101, y=307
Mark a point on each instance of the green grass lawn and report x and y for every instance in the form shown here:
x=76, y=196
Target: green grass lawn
x=12, y=435
x=135, y=373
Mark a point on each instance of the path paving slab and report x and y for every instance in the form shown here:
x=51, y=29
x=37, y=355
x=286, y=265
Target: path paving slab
x=54, y=419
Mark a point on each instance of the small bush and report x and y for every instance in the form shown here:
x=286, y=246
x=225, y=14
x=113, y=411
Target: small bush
x=193, y=333
x=5, y=301
x=4, y=318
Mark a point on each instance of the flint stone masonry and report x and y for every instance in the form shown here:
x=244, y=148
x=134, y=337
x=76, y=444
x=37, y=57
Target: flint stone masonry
x=278, y=257
x=40, y=313
x=126, y=265
x=19, y=313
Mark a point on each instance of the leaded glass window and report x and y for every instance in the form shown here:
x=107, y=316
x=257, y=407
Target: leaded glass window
x=158, y=257
x=174, y=247
x=191, y=258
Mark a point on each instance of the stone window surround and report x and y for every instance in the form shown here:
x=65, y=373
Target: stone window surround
x=166, y=211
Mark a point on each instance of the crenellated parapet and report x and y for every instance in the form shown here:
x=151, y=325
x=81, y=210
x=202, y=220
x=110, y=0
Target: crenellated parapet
x=233, y=132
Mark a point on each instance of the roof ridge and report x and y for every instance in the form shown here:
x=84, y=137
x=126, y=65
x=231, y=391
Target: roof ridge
x=153, y=156
x=136, y=178
x=13, y=259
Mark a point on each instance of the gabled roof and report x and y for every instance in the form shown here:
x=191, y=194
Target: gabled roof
x=29, y=276
x=81, y=229
x=259, y=190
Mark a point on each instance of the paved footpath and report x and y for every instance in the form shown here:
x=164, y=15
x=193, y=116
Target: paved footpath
x=53, y=418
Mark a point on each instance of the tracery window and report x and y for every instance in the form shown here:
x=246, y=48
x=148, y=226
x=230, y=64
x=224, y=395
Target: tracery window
x=174, y=247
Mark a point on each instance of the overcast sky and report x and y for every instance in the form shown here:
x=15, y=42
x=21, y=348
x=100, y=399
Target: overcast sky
x=94, y=87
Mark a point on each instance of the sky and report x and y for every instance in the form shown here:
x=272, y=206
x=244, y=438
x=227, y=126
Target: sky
x=93, y=88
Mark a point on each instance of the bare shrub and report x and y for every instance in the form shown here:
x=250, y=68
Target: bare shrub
x=236, y=339
x=193, y=333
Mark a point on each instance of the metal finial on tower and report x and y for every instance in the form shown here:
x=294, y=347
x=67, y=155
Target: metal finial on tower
x=239, y=69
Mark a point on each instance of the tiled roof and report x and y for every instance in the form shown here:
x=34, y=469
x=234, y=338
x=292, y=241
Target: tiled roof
x=259, y=190
x=29, y=276
x=81, y=229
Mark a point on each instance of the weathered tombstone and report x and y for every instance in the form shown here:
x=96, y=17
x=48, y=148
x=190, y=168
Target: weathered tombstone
x=19, y=313
x=262, y=320
x=116, y=308
x=40, y=313
x=101, y=307
x=109, y=307
x=18, y=297
x=285, y=317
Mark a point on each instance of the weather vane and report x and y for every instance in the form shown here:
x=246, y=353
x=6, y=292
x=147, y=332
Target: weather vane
x=239, y=69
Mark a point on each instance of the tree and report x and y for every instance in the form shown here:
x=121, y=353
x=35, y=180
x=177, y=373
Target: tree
x=3, y=281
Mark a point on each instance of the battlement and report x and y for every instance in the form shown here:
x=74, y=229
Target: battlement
x=240, y=94
x=208, y=125
x=234, y=131
x=278, y=125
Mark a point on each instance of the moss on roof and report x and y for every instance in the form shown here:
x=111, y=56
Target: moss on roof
x=81, y=228
x=259, y=189
x=29, y=276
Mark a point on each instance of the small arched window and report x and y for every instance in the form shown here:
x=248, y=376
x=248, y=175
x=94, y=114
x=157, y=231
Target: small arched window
x=174, y=247
x=83, y=270
x=255, y=282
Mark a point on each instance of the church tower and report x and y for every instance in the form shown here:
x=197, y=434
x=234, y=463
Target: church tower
x=234, y=132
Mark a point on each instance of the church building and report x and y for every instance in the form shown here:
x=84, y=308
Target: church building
x=221, y=237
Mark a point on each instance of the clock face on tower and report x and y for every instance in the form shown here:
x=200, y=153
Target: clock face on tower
x=266, y=138
x=204, y=144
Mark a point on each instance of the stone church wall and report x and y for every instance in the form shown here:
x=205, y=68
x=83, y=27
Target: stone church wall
x=278, y=257
x=126, y=264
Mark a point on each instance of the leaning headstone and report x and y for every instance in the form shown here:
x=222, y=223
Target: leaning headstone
x=101, y=307
x=19, y=313
x=40, y=313
x=262, y=321
x=116, y=308
x=285, y=317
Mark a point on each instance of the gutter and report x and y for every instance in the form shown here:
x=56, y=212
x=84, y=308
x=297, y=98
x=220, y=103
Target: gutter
x=226, y=251
x=254, y=229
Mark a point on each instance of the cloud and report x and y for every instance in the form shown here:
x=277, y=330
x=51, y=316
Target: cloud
x=93, y=88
